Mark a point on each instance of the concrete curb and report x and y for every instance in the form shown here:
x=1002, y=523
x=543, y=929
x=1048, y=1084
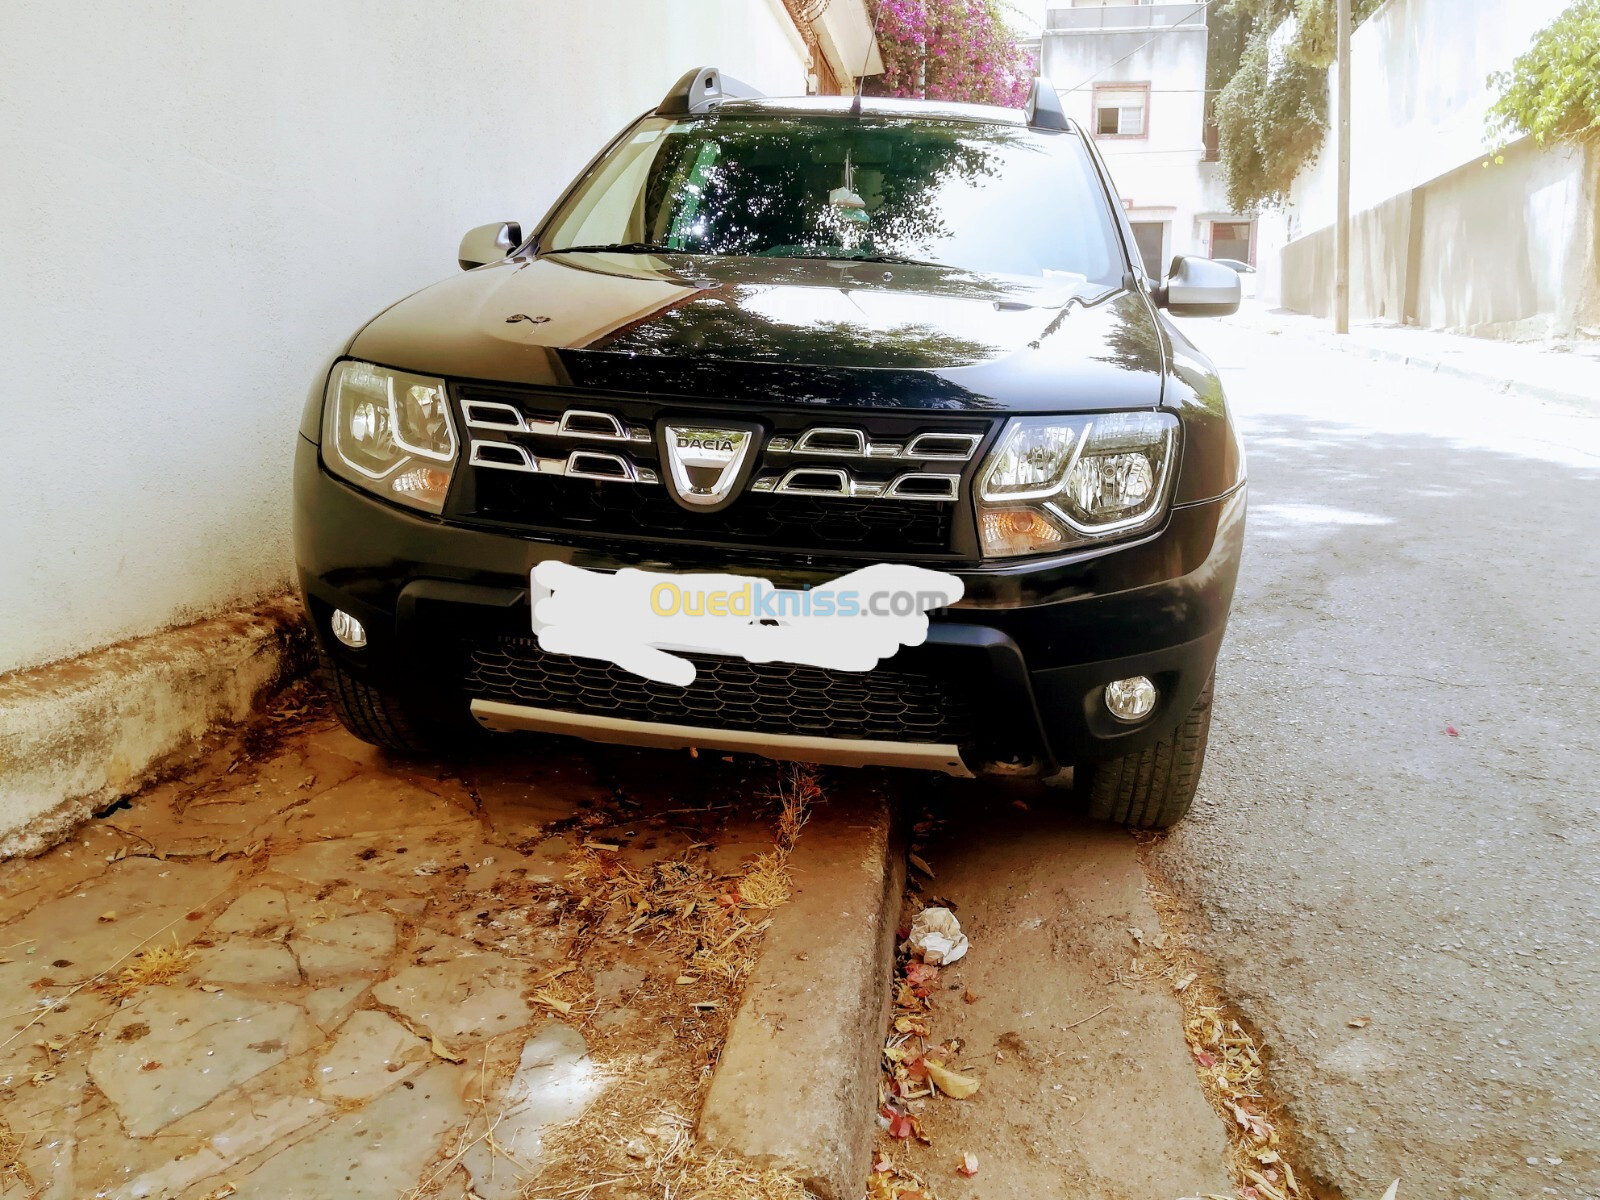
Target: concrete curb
x=797, y=1084
x=79, y=734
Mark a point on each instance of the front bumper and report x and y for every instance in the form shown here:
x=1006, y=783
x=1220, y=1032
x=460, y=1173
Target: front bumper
x=1032, y=645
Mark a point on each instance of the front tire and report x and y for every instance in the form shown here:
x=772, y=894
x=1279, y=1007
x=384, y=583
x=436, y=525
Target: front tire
x=1152, y=788
x=380, y=716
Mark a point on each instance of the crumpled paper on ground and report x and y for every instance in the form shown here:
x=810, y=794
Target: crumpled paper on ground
x=936, y=936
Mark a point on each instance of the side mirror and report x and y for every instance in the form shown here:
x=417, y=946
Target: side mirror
x=489, y=243
x=1198, y=287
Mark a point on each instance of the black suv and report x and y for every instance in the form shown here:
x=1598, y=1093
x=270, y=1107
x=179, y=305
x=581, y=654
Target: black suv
x=933, y=322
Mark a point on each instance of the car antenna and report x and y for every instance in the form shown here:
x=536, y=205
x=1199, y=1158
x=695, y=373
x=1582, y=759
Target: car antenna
x=861, y=79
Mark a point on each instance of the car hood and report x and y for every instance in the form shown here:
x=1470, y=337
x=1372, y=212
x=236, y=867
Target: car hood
x=781, y=330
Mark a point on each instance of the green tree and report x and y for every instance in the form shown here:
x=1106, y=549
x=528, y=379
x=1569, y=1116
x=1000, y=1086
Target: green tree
x=1271, y=119
x=1272, y=113
x=1552, y=92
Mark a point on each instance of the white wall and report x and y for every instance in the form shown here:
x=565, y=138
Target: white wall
x=1439, y=239
x=1160, y=174
x=199, y=201
x=1418, y=96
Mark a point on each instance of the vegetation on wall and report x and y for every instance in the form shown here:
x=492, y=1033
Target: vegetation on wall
x=950, y=50
x=1271, y=118
x=1553, y=91
x=1272, y=113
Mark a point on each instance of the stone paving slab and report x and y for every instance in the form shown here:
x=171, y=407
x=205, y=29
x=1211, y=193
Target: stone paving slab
x=305, y=970
x=173, y=1049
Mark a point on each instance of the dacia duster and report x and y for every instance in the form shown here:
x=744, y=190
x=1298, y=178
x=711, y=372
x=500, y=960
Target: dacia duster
x=793, y=337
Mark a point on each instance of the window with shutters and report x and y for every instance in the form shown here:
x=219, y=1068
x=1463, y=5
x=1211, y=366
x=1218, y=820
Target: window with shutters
x=1121, y=110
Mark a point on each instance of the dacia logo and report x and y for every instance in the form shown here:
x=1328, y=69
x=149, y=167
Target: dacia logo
x=706, y=463
x=720, y=445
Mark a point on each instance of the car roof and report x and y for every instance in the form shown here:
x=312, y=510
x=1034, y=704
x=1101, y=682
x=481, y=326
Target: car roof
x=877, y=106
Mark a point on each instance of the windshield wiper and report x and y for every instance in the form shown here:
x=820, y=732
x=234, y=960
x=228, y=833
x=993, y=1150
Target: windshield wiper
x=891, y=259
x=620, y=248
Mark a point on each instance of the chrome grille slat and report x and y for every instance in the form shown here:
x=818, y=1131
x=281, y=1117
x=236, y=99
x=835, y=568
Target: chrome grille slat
x=885, y=482
x=957, y=447
x=520, y=458
x=902, y=487
x=492, y=414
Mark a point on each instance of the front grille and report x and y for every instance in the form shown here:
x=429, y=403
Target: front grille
x=882, y=484
x=779, y=698
x=764, y=519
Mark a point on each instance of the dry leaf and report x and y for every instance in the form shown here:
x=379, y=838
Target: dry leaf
x=1393, y=1189
x=1360, y=1023
x=968, y=1165
x=108, y=916
x=1183, y=981
x=1136, y=933
x=919, y=864
x=210, y=987
x=444, y=1051
x=952, y=1084
x=549, y=1001
x=1252, y=1124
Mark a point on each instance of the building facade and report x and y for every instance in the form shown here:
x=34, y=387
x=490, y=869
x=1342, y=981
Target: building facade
x=1133, y=74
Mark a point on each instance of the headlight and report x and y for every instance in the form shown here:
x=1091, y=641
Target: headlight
x=390, y=433
x=1053, y=483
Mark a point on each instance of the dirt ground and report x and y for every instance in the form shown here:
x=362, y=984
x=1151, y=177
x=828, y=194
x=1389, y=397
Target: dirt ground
x=1064, y=1016
x=305, y=970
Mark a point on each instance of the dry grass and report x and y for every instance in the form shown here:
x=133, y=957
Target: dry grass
x=657, y=1158
x=766, y=882
x=797, y=793
x=637, y=1139
x=678, y=905
x=723, y=1177
x=710, y=922
x=12, y=1170
x=157, y=965
x=1228, y=1058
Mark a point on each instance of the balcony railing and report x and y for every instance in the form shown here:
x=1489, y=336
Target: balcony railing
x=1127, y=16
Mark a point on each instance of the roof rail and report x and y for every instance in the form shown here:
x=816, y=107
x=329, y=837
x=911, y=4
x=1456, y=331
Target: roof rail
x=701, y=90
x=1043, y=109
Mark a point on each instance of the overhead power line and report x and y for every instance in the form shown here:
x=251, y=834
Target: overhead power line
x=1175, y=27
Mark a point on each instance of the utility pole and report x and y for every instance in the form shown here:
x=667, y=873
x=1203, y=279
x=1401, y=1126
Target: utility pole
x=1341, y=229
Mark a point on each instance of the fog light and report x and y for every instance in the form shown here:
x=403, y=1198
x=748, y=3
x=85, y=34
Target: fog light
x=350, y=631
x=1131, y=699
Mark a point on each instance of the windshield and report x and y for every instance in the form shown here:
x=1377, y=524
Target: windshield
x=991, y=199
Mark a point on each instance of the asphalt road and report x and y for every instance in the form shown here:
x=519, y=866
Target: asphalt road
x=1421, y=559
